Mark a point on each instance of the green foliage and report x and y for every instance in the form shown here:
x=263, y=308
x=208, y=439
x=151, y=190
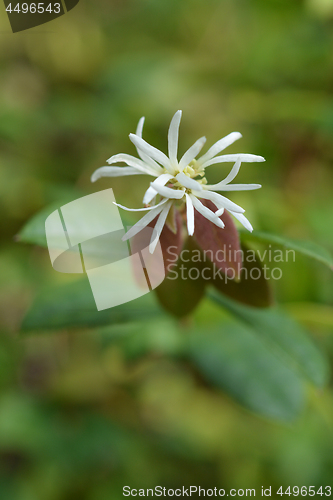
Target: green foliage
x=131, y=395
x=73, y=305
x=284, y=336
x=308, y=248
x=260, y=359
x=235, y=359
x=34, y=230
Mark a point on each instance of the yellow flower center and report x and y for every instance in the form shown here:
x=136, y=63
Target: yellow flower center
x=189, y=171
x=193, y=171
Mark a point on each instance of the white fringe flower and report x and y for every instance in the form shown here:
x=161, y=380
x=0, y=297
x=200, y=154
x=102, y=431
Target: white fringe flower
x=180, y=180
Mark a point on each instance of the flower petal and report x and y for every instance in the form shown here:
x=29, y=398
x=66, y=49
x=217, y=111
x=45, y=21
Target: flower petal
x=243, y=220
x=243, y=157
x=189, y=215
x=191, y=153
x=169, y=240
x=237, y=187
x=152, y=163
x=158, y=227
x=142, y=223
x=175, y=194
x=188, y=182
x=219, y=200
x=114, y=172
x=230, y=177
x=139, y=127
x=152, y=152
x=140, y=209
x=136, y=163
x=151, y=192
x=149, y=195
x=173, y=135
x=162, y=180
x=220, y=211
x=220, y=146
x=208, y=214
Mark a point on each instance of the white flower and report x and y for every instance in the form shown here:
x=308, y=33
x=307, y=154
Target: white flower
x=180, y=181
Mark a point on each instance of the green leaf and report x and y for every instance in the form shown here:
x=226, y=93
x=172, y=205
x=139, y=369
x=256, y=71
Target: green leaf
x=312, y=314
x=283, y=336
x=307, y=248
x=73, y=305
x=34, y=230
x=236, y=360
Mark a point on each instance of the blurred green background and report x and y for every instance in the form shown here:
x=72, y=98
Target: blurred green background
x=85, y=411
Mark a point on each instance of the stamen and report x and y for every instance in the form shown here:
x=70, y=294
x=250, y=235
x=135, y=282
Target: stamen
x=189, y=171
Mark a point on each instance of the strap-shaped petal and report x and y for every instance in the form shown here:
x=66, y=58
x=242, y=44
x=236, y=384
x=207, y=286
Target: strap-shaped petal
x=173, y=135
x=191, y=153
x=158, y=227
x=220, y=211
x=175, y=194
x=140, y=209
x=189, y=215
x=151, y=192
x=114, y=172
x=219, y=200
x=235, y=187
x=208, y=214
x=225, y=186
x=136, y=163
x=243, y=157
x=188, y=182
x=152, y=163
x=149, y=161
x=230, y=177
x=243, y=220
x=139, y=127
x=162, y=180
x=220, y=146
x=142, y=223
x=149, y=195
x=149, y=150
